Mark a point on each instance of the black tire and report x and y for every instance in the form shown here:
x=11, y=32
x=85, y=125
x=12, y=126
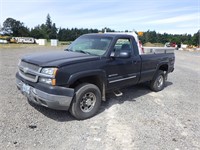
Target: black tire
x=86, y=102
x=158, y=82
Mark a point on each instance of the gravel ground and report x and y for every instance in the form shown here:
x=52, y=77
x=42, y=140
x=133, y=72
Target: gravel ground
x=138, y=120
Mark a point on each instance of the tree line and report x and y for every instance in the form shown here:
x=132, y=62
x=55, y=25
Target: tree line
x=48, y=30
x=154, y=37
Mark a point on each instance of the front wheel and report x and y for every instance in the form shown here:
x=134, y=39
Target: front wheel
x=158, y=82
x=86, y=102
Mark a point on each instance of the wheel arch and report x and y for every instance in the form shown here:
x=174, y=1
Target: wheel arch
x=163, y=67
x=96, y=77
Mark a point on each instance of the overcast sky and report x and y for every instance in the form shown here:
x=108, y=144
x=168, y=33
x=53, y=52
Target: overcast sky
x=170, y=16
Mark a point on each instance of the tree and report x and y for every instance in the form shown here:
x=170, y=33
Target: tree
x=48, y=22
x=43, y=30
x=15, y=28
x=48, y=25
x=196, y=39
x=107, y=30
x=23, y=32
x=53, y=32
x=36, y=32
x=48, y=30
x=8, y=25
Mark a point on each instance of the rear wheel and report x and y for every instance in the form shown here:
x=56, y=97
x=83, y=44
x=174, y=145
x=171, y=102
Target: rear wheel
x=86, y=102
x=158, y=82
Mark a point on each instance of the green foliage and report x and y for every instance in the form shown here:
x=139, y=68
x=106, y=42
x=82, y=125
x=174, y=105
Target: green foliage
x=108, y=30
x=15, y=28
x=36, y=32
x=72, y=34
x=196, y=38
x=153, y=37
x=48, y=22
x=48, y=30
x=53, y=32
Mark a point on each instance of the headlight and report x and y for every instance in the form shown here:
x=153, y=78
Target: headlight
x=49, y=71
x=48, y=76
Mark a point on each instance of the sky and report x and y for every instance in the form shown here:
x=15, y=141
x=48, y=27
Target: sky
x=163, y=16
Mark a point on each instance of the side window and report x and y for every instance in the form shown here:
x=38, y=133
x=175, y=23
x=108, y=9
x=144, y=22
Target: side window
x=122, y=44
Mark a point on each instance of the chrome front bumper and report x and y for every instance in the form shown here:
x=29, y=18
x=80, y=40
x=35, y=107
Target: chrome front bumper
x=59, y=102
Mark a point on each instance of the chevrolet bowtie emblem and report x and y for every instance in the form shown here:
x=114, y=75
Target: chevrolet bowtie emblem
x=25, y=70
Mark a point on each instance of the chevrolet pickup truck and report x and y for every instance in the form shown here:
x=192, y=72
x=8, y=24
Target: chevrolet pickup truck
x=78, y=78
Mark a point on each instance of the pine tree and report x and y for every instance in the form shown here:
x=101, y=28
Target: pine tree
x=48, y=22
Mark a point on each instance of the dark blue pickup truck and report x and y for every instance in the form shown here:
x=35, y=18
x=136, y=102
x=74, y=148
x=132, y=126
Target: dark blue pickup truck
x=78, y=78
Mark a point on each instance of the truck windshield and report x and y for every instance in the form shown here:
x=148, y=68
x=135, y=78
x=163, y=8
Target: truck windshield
x=93, y=45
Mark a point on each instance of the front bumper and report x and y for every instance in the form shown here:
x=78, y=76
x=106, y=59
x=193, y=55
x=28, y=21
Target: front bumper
x=47, y=97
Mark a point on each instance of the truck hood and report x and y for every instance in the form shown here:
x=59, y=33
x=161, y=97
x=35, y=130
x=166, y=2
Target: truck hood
x=58, y=59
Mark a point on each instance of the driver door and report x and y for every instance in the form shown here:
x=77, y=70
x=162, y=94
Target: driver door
x=122, y=71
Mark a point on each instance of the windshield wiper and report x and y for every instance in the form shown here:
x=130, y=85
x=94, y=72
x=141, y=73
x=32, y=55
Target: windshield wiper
x=70, y=50
x=84, y=52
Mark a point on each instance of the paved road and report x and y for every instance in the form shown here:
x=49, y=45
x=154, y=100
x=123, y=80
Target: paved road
x=139, y=120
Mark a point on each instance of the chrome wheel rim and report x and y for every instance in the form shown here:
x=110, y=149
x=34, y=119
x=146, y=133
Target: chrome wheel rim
x=160, y=81
x=87, y=102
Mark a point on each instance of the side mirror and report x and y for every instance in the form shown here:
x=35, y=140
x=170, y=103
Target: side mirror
x=121, y=54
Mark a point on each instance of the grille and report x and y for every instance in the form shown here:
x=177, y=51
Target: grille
x=29, y=71
x=27, y=75
x=30, y=66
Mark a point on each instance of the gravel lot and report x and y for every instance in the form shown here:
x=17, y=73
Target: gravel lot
x=138, y=120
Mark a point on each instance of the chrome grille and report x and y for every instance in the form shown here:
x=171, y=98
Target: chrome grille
x=29, y=71
x=27, y=75
x=30, y=66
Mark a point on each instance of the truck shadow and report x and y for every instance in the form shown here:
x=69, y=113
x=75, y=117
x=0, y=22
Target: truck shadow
x=129, y=94
x=57, y=115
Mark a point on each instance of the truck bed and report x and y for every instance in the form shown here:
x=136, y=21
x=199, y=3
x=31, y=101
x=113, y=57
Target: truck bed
x=150, y=63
